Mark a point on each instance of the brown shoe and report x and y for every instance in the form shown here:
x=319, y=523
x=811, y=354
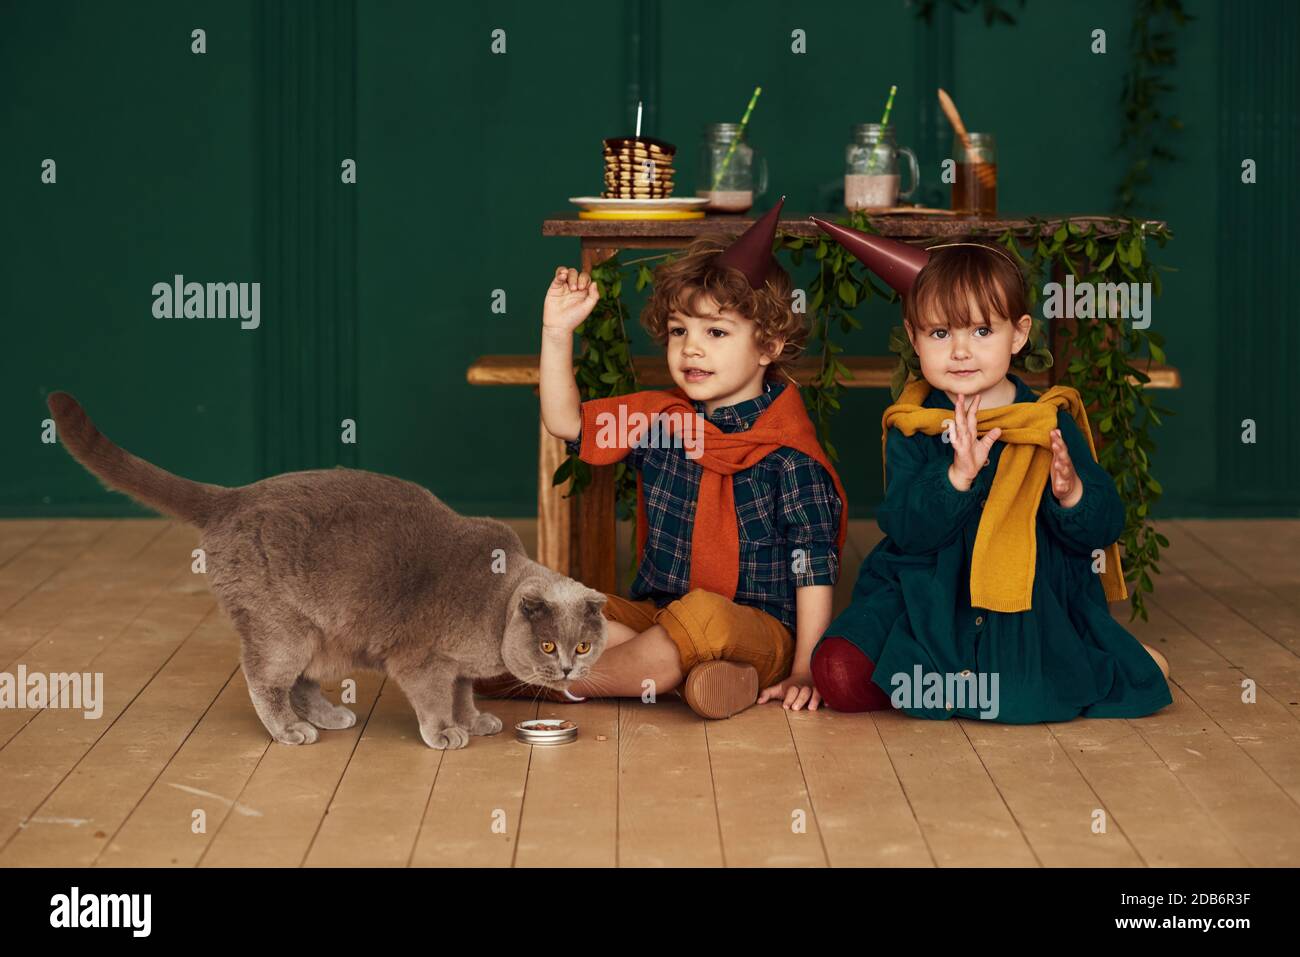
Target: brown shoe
x=719, y=689
x=508, y=686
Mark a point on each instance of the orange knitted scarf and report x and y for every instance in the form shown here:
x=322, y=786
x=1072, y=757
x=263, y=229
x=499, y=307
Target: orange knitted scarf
x=715, y=537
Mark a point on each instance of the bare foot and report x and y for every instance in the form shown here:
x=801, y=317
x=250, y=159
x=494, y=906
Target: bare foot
x=1159, y=659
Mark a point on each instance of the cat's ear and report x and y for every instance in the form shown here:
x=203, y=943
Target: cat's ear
x=533, y=606
x=595, y=604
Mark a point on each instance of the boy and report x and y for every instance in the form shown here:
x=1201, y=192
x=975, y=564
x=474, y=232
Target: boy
x=741, y=516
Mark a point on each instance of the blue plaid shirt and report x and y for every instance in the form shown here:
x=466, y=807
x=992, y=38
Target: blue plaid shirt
x=784, y=504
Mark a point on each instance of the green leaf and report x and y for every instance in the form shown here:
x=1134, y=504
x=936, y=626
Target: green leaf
x=563, y=473
x=1106, y=423
x=848, y=293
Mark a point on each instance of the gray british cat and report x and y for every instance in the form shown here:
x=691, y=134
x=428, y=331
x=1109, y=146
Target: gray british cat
x=327, y=571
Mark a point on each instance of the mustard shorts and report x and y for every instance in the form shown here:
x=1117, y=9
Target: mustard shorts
x=707, y=627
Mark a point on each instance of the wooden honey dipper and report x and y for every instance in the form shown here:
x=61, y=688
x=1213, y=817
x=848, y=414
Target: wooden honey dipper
x=988, y=176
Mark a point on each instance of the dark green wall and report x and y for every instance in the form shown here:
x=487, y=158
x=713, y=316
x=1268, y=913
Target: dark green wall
x=377, y=296
x=156, y=154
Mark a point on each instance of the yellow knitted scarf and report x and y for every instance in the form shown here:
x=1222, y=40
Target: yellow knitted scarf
x=1002, y=565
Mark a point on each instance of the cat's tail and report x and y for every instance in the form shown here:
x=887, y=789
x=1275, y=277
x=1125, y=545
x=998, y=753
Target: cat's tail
x=121, y=471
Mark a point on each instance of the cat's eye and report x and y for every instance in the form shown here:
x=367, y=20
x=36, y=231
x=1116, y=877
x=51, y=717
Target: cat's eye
x=548, y=647
x=583, y=647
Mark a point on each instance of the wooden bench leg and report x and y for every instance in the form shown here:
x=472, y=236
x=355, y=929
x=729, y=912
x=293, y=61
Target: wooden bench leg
x=576, y=535
x=592, y=543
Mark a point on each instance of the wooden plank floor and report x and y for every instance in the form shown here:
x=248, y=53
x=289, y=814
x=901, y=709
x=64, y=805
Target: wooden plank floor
x=178, y=771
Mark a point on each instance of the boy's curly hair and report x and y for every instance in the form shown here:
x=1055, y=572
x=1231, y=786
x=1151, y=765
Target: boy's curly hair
x=959, y=277
x=681, y=283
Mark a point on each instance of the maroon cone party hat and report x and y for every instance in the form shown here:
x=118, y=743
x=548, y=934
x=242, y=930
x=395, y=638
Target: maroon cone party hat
x=751, y=253
x=896, y=263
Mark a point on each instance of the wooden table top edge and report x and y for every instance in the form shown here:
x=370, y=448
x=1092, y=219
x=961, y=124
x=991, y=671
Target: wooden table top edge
x=917, y=227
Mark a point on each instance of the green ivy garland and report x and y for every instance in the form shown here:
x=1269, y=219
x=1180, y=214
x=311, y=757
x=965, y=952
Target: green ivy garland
x=1105, y=357
x=1103, y=353
x=1152, y=57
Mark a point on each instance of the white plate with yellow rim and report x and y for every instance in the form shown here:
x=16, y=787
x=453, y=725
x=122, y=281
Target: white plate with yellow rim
x=669, y=207
x=664, y=202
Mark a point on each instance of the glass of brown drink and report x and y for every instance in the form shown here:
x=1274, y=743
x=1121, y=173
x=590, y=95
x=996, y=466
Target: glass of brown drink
x=975, y=190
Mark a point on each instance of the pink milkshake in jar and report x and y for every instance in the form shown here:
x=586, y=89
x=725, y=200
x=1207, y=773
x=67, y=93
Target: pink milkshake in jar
x=871, y=174
x=731, y=172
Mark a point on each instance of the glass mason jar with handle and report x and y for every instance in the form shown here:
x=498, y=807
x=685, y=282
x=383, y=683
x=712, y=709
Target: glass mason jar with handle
x=729, y=179
x=871, y=176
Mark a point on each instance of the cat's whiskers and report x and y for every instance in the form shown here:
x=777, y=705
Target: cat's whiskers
x=598, y=683
x=516, y=686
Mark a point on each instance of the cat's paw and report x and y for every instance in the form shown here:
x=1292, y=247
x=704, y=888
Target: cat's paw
x=445, y=739
x=300, y=732
x=336, y=718
x=485, y=724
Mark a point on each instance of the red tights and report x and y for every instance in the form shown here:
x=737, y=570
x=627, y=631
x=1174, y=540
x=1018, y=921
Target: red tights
x=842, y=674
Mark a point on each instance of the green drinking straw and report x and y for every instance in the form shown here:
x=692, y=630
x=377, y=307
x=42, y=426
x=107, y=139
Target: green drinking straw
x=884, y=122
x=889, y=105
x=726, y=160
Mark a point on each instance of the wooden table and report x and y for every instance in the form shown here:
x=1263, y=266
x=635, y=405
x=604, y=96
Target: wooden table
x=576, y=536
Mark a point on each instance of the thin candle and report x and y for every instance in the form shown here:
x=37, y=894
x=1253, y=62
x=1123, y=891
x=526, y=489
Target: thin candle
x=726, y=160
x=638, y=119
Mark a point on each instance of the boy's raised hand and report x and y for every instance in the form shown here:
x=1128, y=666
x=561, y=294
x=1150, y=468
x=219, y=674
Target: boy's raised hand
x=969, y=453
x=569, y=300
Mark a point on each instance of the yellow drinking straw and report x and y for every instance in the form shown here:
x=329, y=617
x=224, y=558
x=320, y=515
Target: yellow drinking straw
x=726, y=160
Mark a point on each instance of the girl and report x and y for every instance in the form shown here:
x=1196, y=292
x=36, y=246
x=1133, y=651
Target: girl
x=988, y=594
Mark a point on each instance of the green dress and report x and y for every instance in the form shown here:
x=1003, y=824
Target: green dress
x=911, y=612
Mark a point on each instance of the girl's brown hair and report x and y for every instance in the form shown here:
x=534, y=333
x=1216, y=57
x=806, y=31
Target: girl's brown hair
x=961, y=283
x=679, y=286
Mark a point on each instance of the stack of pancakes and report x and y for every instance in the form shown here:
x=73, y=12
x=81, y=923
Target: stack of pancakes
x=638, y=168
